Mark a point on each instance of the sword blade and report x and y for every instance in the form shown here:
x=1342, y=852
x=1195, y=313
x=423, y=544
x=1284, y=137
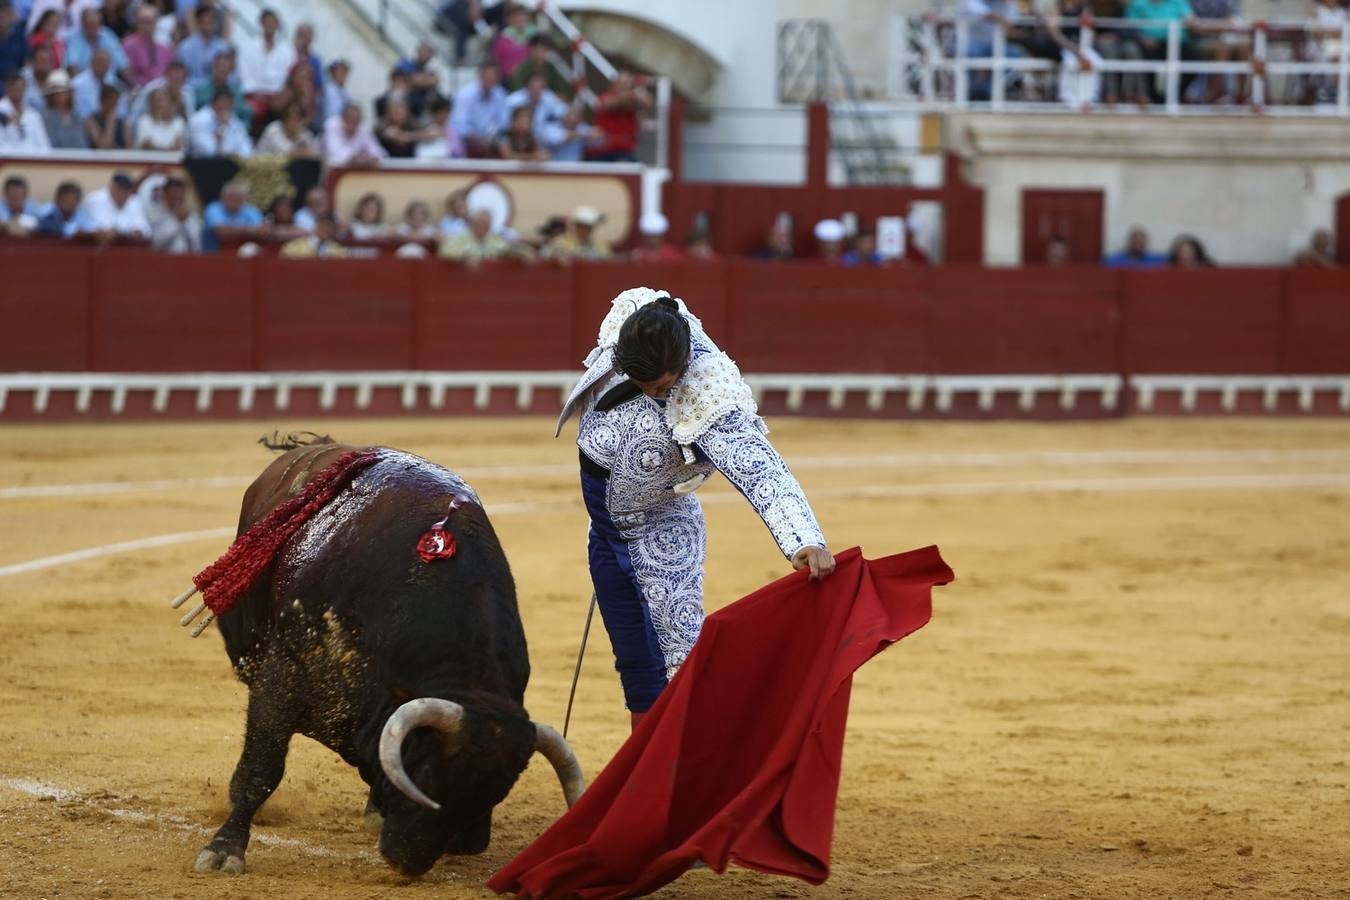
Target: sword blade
x=581, y=654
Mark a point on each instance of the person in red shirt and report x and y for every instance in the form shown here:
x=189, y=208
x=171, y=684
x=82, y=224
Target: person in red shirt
x=616, y=114
x=654, y=248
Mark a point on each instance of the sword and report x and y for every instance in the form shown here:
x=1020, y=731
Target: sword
x=581, y=654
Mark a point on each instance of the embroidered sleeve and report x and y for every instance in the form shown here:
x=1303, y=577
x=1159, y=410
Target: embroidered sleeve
x=736, y=444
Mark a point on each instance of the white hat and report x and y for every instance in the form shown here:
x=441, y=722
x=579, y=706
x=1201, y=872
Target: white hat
x=411, y=251
x=587, y=215
x=57, y=80
x=653, y=224
x=829, y=230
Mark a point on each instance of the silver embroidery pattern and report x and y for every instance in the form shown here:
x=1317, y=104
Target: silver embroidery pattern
x=667, y=548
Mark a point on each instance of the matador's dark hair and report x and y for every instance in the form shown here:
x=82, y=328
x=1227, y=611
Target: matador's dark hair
x=653, y=341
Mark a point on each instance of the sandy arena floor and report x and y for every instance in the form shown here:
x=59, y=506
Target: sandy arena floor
x=1139, y=685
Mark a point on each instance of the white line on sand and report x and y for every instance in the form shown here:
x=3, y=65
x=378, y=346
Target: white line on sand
x=1252, y=481
x=881, y=461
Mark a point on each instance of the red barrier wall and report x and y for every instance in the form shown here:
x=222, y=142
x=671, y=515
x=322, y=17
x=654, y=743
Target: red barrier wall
x=138, y=312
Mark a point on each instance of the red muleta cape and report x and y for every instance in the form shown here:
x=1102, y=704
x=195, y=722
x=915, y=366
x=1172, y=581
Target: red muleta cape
x=739, y=758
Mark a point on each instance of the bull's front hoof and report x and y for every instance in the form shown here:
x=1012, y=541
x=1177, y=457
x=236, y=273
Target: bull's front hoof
x=212, y=860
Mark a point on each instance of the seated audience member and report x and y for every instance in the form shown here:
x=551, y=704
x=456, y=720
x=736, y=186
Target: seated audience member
x=264, y=62
x=1136, y=254
x=280, y=219
x=553, y=227
x=289, y=136
x=60, y=219
x=368, y=218
x=347, y=141
x=863, y=252
x=699, y=247
x=580, y=241
x=147, y=59
x=65, y=130
x=425, y=78
x=616, y=116
x=476, y=243
x=106, y=129
x=512, y=45
x=462, y=19
x=317, y=203
x=303, y=44
x=18, y=214
x=830, y=240
x=89, y=38
x=230, y=216
x=1057, y=251
x=568, y=139
x=222, y=78
x=176, y=228
x=397, y=89
x=480, y=113
x=1188, y=253
x=114, y=211
x=549, y=108
x=1149, y=41
x=322, y=244
x=299, y=90
x=13, y=40
x=89, y=84
x=438, y=139
x=22, y=132
x=198, y=50
x=216, y=132
x=398, y=134
x=653, y=247
x=517, y=141
x=1320, y=252
x=537, y=63
x=1214, y=44
x=777, y=245
x=48, y=34
x=160, y=128
x=417, y=222
x=335, y=96
x=35, y=76
x=984, y=18
x=174, y=80
x=456, y=218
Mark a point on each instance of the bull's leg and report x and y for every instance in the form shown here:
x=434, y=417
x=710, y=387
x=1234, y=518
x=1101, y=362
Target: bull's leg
x=261, y=765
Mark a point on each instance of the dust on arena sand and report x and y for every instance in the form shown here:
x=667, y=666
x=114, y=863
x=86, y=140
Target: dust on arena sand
x=1134, y=690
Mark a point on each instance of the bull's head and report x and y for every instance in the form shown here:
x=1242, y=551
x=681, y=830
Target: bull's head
x=451, y=776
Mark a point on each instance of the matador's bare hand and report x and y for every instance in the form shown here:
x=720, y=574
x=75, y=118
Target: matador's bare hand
x=819, y=560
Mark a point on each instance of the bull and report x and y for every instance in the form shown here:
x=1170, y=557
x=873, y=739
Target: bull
x=412, y=672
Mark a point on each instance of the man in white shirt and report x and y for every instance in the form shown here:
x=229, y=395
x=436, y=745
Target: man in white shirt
x=213, y=130
x=88, y=85
x=113, y=211
x=265, y=61
x=21, y=130
x=549, y=108
x=480, y=112
x=347, y=141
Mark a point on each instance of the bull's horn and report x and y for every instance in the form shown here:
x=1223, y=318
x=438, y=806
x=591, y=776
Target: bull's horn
x=431, y=712
x=555, y=749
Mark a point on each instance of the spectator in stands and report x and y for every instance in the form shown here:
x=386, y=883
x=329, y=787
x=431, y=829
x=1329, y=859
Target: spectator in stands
x=93, y=35
x=456, y=218
x=280, y=220
x=335, y=96
x=439, y=141
x=65, y=129
x=89, y=84
x=264, y=63
x=232, y=216
x=1188, y=253
x=13, y=40
x=147, y=59
x=1150, y=42
x=1057, y=251
x=1136, y=254
x=616, y=115
x=1216, y=44
x=983, y=17
x=21, y=129
x=1079, y=81
x=323, y=243
x=1325, y=43
x=580, y=241
x=699, y=247
x=347, y=141
x=368, y=218
x=35, y=75
x=112, y=212
x=175, y=227
x=199, y=49
x=299, y=90
x=317, y=203
x=863, y=252
x=549, y=108
x=425, y=78
x=464, y=18
x=398, y=134
x=161, y=127
x=512, y=45
x=222, y=78
x=830, y=236
x=304, y=53
x=214, y=130
x=1320, y=252
x=777, y=244
x=567, y=140
x=518, y=141
x=174, y=80
x=48, y=34
x=18, y=214
x=397, y=89
x=653, y=247
x=61, y=216
x=480, y=113
x=116, y=14
x=289, y=136
x=537, y=63
x=417, y=222
x=106, y=128
x=476, y=243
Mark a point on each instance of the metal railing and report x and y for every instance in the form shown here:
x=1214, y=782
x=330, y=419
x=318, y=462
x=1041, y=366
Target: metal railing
x=934, y=66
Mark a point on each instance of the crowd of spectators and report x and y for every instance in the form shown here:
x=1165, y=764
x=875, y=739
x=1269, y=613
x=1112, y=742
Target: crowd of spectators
x=1185, y=252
